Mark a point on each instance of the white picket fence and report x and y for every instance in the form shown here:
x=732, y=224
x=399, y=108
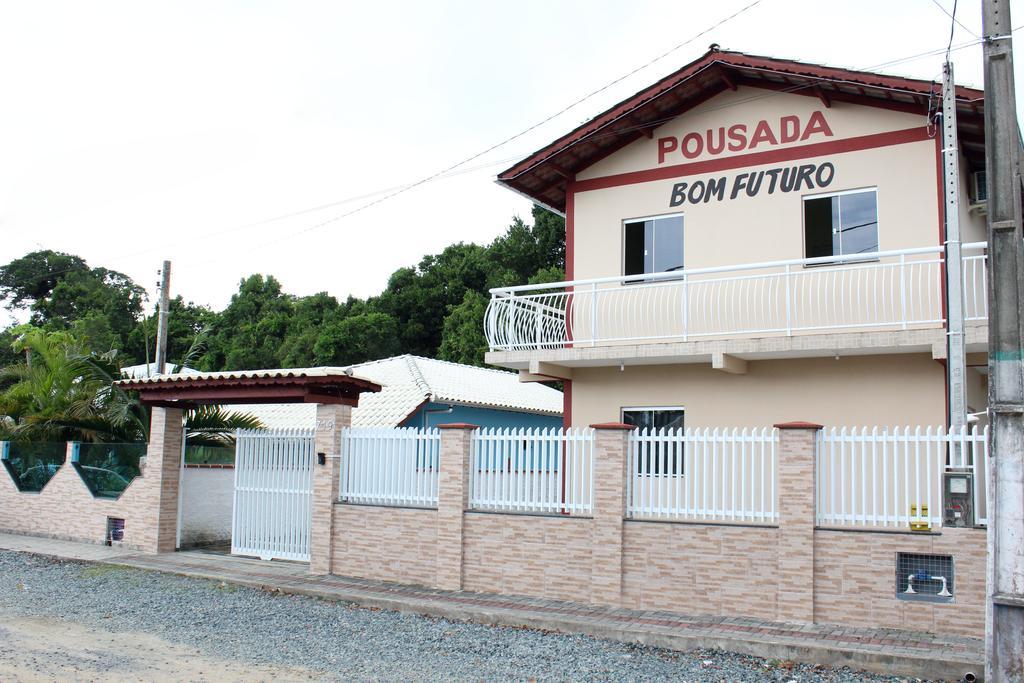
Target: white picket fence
x=864, y=476
x=390, y=466
x=703, y=475
x=872, y=477
x=272, y=508
x=532, y=470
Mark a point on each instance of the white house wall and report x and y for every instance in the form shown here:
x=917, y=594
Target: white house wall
x=206, y=499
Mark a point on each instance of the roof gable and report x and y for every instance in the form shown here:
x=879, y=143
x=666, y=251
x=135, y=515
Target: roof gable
x=744, y=121
x=544, y=175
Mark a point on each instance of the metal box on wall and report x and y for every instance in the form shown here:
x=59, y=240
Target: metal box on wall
x=958, y=499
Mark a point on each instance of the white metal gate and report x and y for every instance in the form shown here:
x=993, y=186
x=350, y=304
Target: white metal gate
x=272, y=512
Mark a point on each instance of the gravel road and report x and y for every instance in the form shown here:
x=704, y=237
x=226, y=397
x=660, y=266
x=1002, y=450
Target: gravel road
x=63, y=619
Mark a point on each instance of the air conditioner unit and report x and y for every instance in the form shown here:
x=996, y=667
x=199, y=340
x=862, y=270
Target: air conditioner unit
x=978, y=187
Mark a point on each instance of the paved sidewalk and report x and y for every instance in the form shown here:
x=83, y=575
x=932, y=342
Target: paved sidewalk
x=885, y=651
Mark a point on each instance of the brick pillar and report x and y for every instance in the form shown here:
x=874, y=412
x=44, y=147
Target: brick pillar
x=797, y=444
x=159, y=522
x=452, y=501
x=610, y=463
x=330, y=420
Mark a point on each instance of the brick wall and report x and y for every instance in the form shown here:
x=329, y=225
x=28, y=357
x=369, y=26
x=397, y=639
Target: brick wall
x=854, y=580
x=700, y=568
x=790, y=572
x=547, y=557
x=66, y=509
x=385, y=543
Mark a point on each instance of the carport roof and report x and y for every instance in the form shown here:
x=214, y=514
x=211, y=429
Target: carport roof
x=291, y=385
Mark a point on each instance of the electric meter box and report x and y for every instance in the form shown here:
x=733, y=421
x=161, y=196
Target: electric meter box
x=958, y=499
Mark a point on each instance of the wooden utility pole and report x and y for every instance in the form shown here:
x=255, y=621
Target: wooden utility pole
x=1004, y=628
x=161, y=321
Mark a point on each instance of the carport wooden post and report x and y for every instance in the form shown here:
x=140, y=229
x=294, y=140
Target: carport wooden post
x=330, y=420
x=163, y=470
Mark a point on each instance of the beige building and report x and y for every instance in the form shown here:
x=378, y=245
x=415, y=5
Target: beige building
x=748, y=241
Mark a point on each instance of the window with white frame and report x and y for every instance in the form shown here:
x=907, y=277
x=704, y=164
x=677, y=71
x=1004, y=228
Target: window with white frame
x=652, y=245
x=843, y=224
x=657, y=458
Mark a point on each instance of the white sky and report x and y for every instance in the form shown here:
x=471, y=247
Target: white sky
x=136, y=131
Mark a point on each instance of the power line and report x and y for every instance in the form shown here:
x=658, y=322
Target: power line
x=953, y=17
x=952, y=29
x=597, y=136
x=321, y=207
x=523, y=132
x=398, y=189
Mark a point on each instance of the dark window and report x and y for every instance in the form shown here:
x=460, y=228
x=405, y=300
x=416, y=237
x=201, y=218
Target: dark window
x=653, y=245
x=841, y=225
x=657, y=458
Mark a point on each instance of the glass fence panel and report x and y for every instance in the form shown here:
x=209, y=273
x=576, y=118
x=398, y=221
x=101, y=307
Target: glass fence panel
x=108, y=468
x=209, y=455
x=32, y=465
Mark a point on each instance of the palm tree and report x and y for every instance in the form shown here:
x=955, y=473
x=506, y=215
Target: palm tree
x=49, y=398
x=65, y=393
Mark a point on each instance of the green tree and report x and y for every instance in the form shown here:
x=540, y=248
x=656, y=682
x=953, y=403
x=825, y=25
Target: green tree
x=311, y=314
x=420, y=298
x=186, y=321
x=32, y=277
x=93, y=330
x=433, y=308
x=105, y=291
x=463, y=338
x=524, y=249
x=357, y=338
x=549, y=231
x=522, y=255
x=545, y=275
x=250, y=332
x=63, y=293
x=9, y=355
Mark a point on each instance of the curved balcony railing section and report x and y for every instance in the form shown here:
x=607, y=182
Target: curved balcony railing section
x=880, y=290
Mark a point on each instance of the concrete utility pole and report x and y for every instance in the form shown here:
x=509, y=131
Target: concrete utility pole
x=1004, y=632
x=161, y=321
x=956, y=357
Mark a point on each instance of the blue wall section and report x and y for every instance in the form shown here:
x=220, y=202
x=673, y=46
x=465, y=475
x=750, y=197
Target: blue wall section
x=482, y=417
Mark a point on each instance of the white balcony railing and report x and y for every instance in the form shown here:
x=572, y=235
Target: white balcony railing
x=880, y=290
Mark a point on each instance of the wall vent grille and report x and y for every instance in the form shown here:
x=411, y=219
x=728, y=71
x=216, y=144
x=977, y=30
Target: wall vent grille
x=928, y=578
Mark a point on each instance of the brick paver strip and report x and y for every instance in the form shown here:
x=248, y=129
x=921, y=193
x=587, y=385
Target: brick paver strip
x=882, y=650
